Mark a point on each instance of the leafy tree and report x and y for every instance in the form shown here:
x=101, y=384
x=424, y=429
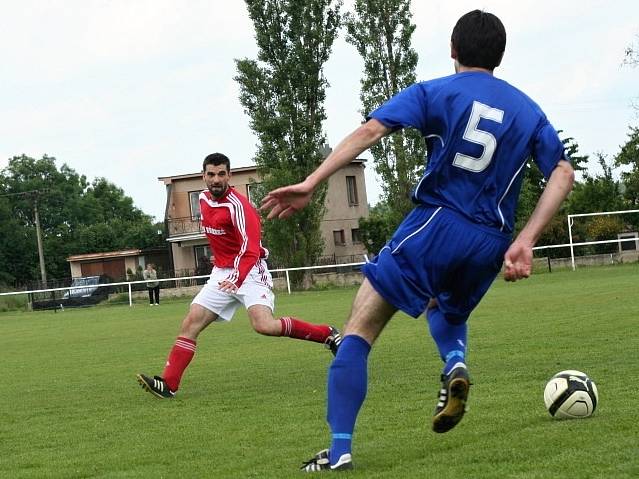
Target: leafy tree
x=106, y=201
x=632, y=55
x=555, y=232
x=76, y=217
x=58, y=191
x=629, y=156
x=376, y=230
x=27, y=180
x=283, y=92
x=533, y=185
x=602, y=228
x=596, y=193
x=381, y=30
x=114, y=234
x=632, y=59
x=13, y=243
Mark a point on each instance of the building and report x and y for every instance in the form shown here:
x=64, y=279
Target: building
x=113, y=264
x=118, y=265
x=346, y=202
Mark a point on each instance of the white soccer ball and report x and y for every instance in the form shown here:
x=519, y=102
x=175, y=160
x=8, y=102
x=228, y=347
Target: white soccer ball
x=571, y=394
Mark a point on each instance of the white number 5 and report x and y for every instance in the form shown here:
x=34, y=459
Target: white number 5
x=480, y=137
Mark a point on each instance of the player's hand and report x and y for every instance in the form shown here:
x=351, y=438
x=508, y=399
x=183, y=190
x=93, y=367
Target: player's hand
x=518, y=261
x=227, y=287
x=284, y=202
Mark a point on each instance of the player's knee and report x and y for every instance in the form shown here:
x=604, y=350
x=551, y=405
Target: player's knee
x=263, y=327
x=266, y=326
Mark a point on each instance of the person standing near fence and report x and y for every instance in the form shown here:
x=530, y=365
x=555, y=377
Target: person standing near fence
x=480, y=132
x=240, y=276
x=152, y=284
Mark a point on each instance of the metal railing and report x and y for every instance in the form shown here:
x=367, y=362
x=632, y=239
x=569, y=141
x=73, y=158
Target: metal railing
x=200, y=279
x=184, y=225
x=132, y=286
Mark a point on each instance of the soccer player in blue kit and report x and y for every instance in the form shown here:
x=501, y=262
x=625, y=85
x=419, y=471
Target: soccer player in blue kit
x=480, y=132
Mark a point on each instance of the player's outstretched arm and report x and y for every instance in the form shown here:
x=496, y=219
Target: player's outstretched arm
x=283, y=202
x=518, y=258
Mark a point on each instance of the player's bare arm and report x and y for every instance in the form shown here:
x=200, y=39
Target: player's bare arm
x=518, y=258
x=284, y=202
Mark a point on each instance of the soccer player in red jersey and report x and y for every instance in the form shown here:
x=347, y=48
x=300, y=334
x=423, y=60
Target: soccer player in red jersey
x=240, y=276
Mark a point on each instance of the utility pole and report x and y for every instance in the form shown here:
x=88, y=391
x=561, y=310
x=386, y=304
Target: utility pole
x=43, y=270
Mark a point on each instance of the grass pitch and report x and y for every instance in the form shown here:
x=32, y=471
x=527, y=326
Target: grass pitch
x=252, y=406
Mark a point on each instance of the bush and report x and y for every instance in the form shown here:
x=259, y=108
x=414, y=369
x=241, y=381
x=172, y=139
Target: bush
x=18, y=302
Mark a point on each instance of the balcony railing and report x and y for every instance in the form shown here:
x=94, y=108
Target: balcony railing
x=184, y=225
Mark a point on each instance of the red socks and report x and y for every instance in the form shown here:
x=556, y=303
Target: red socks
x=179, y=358
x=183, y=350
x=296, y=328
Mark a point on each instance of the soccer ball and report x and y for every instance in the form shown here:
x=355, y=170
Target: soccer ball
x=571, y=394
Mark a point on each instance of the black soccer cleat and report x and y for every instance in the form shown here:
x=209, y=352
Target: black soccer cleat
x=451, y=406
x=156, y=386
x=320, y=462
x=333, y=341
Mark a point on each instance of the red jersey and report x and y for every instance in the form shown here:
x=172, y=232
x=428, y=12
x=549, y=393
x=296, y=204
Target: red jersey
x=233, y=228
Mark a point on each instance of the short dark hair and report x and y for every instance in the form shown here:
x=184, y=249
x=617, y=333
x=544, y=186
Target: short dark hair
x=217, y=159
x=479, y=38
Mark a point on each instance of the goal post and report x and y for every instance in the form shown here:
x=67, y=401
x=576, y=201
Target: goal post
x=601, y=213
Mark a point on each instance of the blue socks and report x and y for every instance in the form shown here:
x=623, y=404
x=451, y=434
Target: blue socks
x=347, y=384
x=450, y=338
x=348, y=377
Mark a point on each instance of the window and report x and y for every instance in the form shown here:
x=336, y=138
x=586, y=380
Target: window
x=338, y=238
x=194, y=199
x=355, y=235
x=253, y=193
x=202, y=259
x=351, y=190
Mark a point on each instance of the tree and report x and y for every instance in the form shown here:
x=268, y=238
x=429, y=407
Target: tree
x=283, y=92
x=602, y=228
x=632, y=55
x=596, y=193
x=59, y=190
x=632, y=59
x=376, y=230
x=533, y=185
x=106, y=201
x=76, y=217
x=381, y=31
x=14, y=242
x=629, y=156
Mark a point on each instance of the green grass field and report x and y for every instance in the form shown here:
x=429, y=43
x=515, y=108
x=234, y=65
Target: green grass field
x=252, y=406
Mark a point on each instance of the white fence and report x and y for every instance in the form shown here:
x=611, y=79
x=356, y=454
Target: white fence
x=287, y=272
x=129, y=284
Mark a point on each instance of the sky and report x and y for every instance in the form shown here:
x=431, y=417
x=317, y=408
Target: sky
x=132, y=90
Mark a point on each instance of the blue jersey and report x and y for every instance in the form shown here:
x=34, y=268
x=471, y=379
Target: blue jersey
x=480, y=132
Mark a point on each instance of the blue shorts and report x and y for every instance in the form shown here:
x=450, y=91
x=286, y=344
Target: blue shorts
x=437, y=253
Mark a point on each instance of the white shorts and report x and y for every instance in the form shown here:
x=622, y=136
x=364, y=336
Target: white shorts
x=256, y=289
